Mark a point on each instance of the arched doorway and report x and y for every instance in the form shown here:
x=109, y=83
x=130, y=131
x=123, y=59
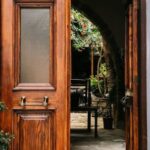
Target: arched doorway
x=105, y=87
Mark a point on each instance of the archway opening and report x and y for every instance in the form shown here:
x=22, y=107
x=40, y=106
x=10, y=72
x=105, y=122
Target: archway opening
x=102, y=64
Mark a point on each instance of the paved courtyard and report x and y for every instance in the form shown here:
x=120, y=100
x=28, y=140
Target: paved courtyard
x=83, y=140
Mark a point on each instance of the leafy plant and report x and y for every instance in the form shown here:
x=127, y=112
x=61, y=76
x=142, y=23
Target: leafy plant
x=94, y=81
x=97, y=86
x=5, y=137
x=103, y=70
x=84, y=34
x=99, y=81
x=2, y=106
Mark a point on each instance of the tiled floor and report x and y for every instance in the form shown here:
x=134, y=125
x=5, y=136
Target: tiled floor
x=107, y=139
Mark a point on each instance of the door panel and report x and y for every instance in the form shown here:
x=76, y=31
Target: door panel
x=131, y=76
x=34, y=126
x=38, y=106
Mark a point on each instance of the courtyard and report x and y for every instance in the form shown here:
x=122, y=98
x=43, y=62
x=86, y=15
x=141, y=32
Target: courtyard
x=82, y=140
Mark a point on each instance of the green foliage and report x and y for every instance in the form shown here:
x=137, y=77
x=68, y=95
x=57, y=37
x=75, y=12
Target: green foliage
x=103, y=70
x=84, y=34
x=5, y=137
x=97, y=86
x=2, y=106
x=94, y=81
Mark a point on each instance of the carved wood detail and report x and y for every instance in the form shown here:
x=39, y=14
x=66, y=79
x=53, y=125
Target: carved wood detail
x=34, y=129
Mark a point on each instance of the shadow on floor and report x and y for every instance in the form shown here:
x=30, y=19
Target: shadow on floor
x=107, y=140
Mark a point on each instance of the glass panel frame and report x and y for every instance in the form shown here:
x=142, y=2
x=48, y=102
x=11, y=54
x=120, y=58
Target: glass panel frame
x=35, y=45
x=17, y=50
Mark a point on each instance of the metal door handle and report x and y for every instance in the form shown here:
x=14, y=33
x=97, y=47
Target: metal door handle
x=43, y=103
x=127, y=100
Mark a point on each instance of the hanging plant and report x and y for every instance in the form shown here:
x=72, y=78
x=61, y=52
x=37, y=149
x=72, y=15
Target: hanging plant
x=84, y=34
x=2, y=106
x=5, y=137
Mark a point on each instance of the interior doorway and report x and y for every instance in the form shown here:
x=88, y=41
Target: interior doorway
x=118, y=34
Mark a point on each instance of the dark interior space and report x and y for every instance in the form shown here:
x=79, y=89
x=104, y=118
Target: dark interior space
x=110, y=20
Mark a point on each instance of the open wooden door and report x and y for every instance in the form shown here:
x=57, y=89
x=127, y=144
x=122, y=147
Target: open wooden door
x=34, y=73
x=131, y=77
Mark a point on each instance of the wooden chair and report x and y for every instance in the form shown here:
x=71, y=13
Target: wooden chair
x=81, y=100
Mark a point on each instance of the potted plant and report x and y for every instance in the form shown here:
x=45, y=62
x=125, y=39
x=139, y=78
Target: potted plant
x=107, y=117
x=5, y=137
x=99, y=83
x=94, y=86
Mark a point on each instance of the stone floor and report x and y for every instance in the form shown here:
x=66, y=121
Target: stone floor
x=83, y=140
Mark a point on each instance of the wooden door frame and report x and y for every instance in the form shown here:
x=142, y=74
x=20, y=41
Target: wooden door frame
x=143, y=80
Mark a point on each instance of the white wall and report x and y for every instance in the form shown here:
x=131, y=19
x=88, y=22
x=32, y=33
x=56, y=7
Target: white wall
x=148, y=72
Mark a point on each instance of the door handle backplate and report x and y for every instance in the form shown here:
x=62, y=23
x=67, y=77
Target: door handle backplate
x=23, y=102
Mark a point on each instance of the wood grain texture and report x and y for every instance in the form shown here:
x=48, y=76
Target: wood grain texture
x=129, y=75
x=135, y=76
x=143, y=79
x=132, y=75
x=34, y=129
x=58, y=98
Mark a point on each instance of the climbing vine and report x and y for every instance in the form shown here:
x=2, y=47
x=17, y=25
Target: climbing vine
x=84, y=34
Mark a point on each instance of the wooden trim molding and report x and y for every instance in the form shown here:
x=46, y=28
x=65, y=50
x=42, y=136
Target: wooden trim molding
x=35, y=86
x=143, y=79
x=17, y=50
x=34, y=1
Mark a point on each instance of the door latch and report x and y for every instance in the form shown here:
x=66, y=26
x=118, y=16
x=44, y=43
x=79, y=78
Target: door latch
x=127, y=100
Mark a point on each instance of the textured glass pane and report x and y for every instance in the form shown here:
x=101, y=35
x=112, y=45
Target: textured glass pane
x=35, y=44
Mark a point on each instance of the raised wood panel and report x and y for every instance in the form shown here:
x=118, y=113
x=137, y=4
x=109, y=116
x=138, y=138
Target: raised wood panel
x=34, y=129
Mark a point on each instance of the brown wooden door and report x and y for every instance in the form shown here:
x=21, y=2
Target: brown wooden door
x=34, y=73
x=131, y=76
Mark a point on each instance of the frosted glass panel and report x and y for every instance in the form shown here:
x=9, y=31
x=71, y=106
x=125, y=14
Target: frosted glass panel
x=35, y=45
